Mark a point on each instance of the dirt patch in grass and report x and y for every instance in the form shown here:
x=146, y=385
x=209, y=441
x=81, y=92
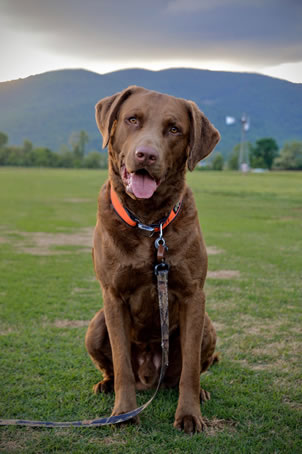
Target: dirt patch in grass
x=255, y=366
x=41, y=243
x=295, y=405
x=223, y=274
x=77, y=200
x=272, y=365
x=70, y=323
x=114, y=440
x=5, y=331
x=272, y=353
x=26, y=436
x=218, y=305
x=289, y=383
x=215, y=425
x=258, y=327
x=286, y=218
x=220, y=327
x=6, y=328
x=11, y=446
x=260, y=366
x=276, y=348
x=256, y=338
x=82, y=290
x=213, y=250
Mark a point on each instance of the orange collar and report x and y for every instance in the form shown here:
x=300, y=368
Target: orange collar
x=130, y=219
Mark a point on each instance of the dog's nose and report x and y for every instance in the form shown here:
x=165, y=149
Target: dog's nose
x=146, y=155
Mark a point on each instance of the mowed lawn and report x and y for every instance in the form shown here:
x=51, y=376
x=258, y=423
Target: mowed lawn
x=252, y=226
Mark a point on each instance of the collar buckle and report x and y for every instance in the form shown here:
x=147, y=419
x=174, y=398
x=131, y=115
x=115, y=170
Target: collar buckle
x=145, y=227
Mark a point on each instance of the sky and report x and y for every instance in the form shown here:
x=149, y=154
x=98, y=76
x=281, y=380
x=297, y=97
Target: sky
x=263, y=36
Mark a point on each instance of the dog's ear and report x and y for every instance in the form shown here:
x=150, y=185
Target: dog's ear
x=203, y=136
x=106, y=111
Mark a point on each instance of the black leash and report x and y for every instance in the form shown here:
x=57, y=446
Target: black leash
x=161, y=270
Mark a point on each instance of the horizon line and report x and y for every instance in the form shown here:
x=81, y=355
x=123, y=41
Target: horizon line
x=150, y=70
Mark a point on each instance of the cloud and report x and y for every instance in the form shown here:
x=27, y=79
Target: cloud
x=251, y=32
x=188, y=6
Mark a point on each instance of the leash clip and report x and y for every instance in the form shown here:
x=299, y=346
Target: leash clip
x=160, y=241
x=161, y=268
x=161, y=246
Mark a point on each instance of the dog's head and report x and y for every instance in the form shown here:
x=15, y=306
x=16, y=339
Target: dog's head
x=151, y=137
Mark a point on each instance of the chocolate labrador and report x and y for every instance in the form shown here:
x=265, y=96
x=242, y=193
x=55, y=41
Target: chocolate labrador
x=152, y=139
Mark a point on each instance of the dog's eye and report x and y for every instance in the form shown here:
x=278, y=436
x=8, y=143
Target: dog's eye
x=174, y=130
x=132, y=120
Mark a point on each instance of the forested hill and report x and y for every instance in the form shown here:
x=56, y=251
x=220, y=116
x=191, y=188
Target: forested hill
x=47, y=108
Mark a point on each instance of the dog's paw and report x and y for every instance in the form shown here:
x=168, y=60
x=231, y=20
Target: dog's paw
x=190, y=424
x=204, y=395
x=117, y=412
x=104, y=386
x=135, y=420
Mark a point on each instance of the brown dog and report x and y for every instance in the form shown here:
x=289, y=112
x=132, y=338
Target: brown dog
x=152, y=139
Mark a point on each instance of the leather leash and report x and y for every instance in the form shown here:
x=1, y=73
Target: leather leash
x=161, y=271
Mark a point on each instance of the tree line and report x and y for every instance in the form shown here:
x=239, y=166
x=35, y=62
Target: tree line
x=263, y=154
x=70, y=156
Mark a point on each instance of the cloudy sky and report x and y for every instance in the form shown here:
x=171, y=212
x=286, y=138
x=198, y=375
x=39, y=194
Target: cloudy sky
x=263, y=36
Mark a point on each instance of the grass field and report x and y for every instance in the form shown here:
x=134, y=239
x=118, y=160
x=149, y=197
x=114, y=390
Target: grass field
x=252, y=225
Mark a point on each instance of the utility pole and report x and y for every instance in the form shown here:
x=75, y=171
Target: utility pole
x=243, y=160
x=243, y=154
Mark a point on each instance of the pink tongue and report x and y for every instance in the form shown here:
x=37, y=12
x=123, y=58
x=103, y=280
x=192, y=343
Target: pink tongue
x=143, y=186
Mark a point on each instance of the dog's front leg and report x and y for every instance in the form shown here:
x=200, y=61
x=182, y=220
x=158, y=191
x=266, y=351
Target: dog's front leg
x=118, y=324
x=188, y=415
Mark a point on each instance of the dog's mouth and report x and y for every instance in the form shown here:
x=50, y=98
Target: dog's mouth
x=139, y=183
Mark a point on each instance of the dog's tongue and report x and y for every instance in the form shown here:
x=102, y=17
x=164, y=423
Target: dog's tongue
x=143, y=186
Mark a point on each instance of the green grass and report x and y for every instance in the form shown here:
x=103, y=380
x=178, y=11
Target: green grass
x=48, y=293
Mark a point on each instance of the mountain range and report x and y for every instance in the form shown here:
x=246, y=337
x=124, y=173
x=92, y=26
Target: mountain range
x=47, y=108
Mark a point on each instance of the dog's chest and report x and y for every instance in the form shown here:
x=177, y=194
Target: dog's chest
x=137, y=287
x=143, y=306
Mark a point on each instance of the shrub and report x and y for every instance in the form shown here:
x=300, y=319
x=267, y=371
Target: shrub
x=218, y=162
x=290, y=157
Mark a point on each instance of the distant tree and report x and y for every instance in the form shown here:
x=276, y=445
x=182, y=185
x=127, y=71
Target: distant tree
x=16, y=156
x=27, y=149
x=20, y=156
x=3, y=140
x=27, y=155
x=233, y=161
x=92, y=160
x=66, y=159
x=78, y=141
x=290, y=157
x=44, y=157
x=218, y=162
x=96, y=160
x=104, y=160
x=4, y=154
x=27, y=146
x=263, y=153
x=204, y=165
